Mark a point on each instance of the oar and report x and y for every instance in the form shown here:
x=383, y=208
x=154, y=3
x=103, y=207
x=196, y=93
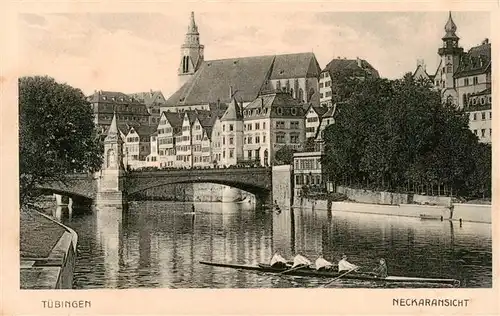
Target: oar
x=292, y=269
x=340, y=277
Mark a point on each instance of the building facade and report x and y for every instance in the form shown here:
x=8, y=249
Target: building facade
x=464, y=79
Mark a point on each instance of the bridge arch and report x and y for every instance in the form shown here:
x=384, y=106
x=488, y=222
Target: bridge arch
x=75, y=196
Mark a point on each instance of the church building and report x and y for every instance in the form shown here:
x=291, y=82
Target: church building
x=207, y=82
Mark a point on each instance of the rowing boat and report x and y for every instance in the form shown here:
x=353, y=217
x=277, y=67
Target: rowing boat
x=308, y=272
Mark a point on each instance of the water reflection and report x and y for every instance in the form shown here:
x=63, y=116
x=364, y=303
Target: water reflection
x=159, y=244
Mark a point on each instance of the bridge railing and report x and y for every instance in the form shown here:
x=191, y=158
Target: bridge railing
x=198, y=168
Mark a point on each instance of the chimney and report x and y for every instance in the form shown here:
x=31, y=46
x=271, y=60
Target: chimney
x=359, y=62
x=486, y=41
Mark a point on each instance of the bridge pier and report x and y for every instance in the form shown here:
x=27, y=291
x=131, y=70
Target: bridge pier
x=62, y=200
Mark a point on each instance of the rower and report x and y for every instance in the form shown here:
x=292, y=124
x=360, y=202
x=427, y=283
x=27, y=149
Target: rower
x=300, y=261
x=381, y=270
x=277, y=261
x=345, y=265
x=323, y=265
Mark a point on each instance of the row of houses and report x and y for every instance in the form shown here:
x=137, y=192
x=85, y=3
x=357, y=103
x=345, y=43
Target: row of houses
x=225, y=134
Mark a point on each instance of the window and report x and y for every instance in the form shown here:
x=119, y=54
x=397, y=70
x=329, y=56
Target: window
x=280, y=124
x=264, y=138
x=321, y=85
x=264, y=125
x=474, y=116
x=483, y=115
x=223, y=140
x=278, y=85
x=231, y=140
x=483, y=132
x=224, y=127
x=279, y=111
x=466, y=81
x=294, y=125
x=490, y=132
x=249, y=154
x=328, y=83
x=294, y=138
x=475, y=80
x=249, y=139
x=257, y=139
x=257, y=125
x=312, y=119
x=230, y=127
x=321, y=95
x=224, y=154
x=231, y=153
x=293, y=111
x=490, y=116
x=449, y=69
x=475, y=132
x=249, y=127
x=280, y=138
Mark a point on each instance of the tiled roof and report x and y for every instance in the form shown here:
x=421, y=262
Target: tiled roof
x=301, y=65
x=233, y=112
x=351, y=65
x=149, y=98
x=277, y=104
x=246, y=76
x=112, y=97
x=145, y=130
x=212, y=82
x=330, y=111
x=173, y=119
x=320, y=110
x=476, y=61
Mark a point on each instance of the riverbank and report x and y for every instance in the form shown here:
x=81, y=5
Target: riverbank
x=478, y=213
x=47, y=252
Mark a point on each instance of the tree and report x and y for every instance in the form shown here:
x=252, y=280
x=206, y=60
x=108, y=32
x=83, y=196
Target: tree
x=284, y=155
x=57, y=135
x=391, y=134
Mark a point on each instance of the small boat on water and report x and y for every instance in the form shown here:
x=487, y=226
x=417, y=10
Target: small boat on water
x=308, y=272
x=431, y=217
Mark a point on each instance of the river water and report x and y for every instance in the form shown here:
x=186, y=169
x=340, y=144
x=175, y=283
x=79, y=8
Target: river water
x=160, y=244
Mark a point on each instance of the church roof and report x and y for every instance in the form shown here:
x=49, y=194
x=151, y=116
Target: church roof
x=300, y=65
x=247, y=76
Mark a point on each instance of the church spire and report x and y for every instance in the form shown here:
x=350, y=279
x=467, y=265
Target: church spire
x=450, y=29
x=191, y=52
x=192, y=28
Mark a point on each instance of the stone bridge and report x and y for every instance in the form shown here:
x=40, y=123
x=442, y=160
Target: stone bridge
x=84, y=187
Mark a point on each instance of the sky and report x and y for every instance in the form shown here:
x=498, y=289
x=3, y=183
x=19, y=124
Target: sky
x=134, y=52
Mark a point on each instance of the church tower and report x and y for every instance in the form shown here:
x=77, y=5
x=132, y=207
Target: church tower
x=450, y=58
x=191, y=53
x=110, y=186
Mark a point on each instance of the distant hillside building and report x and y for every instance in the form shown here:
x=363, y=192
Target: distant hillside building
x=127, y=108
x=154, y=101
x=464, y=79
x=355, y=68
x=245, y=78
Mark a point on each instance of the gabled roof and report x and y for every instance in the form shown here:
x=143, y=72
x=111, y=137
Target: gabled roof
x=149, y=98
x=329, y=113
x=173, y=119
x=320, y=110
x=301, y=65
x=145, y=130
x=358, y=67
x=421, y=73
x=233, y=112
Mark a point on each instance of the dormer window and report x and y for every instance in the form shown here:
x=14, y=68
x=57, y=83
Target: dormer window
x=279, y=111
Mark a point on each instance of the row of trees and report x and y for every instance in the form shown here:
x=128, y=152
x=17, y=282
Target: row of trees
x=397, y=135
x=56, y=134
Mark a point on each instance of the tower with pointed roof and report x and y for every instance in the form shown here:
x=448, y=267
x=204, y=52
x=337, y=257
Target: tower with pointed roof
x=450, y=54
x=191, y=53
x=110, y=185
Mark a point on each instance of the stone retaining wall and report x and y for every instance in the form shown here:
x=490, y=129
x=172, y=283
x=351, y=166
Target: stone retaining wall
x=55, y=271
x=480, y=213
x=375, y=197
